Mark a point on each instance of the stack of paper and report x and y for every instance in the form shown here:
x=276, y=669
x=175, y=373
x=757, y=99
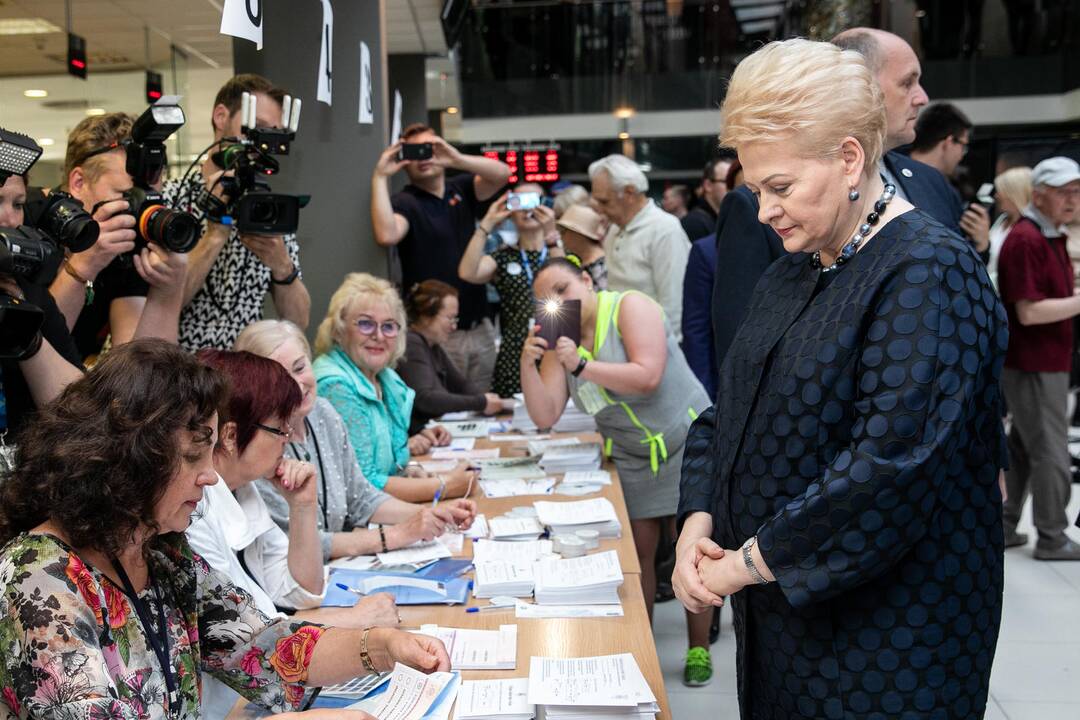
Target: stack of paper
x=452, y=453
x=515, y=468
x=567, y=458
x=503, y=577
x=608, y=686
x=416, y=554
x=568, y=517
x=586, y=580
x=517, y=488
x=477, y=649
x=501, y=699
x=523, y=552
x=572, y=420
x=515, y=528
x=540, y=446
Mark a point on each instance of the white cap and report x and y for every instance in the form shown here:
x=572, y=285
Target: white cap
x=1055, y=172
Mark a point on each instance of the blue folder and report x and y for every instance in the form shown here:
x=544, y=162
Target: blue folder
x=457, y=589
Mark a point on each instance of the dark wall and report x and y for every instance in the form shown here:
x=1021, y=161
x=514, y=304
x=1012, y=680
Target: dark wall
x=405, y=73
x=333, y=155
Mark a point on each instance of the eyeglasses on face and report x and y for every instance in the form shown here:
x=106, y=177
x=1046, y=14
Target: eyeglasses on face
x=367, y=326
x=285, y=433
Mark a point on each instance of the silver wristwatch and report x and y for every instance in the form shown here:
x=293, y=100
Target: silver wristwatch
x=748, y=560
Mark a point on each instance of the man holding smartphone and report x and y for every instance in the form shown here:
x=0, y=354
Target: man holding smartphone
x=430, y=222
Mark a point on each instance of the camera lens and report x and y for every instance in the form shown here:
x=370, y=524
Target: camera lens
x=171, y=229
x=264, y=211
x=65, y=220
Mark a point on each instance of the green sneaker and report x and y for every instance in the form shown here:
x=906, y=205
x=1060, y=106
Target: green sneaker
x=698, y=670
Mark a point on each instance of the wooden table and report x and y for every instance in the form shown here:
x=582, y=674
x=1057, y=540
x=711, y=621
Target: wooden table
x=559, y=637
x=562, y=637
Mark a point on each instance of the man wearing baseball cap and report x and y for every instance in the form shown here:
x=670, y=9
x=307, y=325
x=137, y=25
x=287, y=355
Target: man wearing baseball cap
x=1036, y=282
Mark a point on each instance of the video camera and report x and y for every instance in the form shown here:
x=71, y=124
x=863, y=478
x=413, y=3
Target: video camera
x=155, y=221
x=249, y=203
x=32, y=253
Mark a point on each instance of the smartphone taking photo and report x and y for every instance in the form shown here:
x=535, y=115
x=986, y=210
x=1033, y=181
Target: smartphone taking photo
x=415, y=151
x=558, y=318
x=523, y=201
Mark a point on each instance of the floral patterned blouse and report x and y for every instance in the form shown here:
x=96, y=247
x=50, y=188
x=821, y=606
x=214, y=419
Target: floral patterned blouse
x=72, y=646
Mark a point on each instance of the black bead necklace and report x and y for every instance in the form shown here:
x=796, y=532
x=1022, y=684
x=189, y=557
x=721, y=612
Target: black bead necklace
x=852, y=246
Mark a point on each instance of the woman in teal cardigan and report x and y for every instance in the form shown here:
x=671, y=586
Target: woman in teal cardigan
x=358, y=343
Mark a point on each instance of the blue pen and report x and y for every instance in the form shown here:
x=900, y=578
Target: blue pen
x=438, y=494
x=489, y=607
x=346, y=588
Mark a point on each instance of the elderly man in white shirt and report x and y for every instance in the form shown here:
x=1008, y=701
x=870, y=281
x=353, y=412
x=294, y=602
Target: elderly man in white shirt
x=646, y=247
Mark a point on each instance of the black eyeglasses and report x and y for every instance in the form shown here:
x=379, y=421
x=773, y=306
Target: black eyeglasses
x=286, y=433
x=367, y=326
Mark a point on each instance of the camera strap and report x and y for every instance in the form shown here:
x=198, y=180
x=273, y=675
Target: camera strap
x=528, y=268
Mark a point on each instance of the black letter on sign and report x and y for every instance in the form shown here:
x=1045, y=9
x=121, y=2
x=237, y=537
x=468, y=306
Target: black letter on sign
x=254, y=16
x=326, y=31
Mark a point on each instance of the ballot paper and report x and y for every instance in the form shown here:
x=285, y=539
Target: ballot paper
x=521, y=552
x=516, y=437
x=567, y=517
x=468, y=428
x=503, y=577
x=439, y=466
x=586, y=580
x=571, y=687
x=357, y=687
x=501, y=699
x=479, y=527
x=412, y=695
x=449, y=453
x=566, y=458
x=422, y=552
x=517, y=487
x=514, y=468
x=539, y=446
x=571, y=421
x=477, y=649
x=587, y=477
x=452, y=541
x=462, y=443
x=515, y=528
x=527, y=610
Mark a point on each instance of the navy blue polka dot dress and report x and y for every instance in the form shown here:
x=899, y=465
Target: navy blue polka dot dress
x=857, y=433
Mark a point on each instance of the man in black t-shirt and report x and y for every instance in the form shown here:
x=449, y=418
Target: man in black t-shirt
x=430, y=222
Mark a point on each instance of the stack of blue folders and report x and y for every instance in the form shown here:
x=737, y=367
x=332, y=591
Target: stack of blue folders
x=439, y=584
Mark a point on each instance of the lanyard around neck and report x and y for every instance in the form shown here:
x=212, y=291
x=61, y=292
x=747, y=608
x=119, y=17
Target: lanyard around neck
x=527, y=267
x=158, y=639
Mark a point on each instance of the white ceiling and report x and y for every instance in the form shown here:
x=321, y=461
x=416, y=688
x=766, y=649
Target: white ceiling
x=413, y=26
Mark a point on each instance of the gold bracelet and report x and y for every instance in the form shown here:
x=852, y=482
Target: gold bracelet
x=70, y=270
x=364, y=657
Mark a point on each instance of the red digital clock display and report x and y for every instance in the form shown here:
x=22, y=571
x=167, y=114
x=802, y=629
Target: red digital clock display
x=531, y=164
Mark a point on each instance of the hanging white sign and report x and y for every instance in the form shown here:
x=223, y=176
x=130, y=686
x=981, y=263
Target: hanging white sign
x=243, y=19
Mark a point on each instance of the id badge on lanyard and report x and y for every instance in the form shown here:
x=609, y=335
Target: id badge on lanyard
x=592, y=398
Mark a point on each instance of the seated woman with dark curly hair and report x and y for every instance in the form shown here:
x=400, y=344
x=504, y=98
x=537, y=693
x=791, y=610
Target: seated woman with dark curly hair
x=104, y=609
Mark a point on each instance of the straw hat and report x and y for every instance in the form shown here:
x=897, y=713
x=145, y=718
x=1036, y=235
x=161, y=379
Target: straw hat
x=584, y=221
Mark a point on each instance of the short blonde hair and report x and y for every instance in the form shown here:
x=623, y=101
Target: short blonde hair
x=91, y=139
x=264, y=337
x=1015, y=184
x=360, y=289
x=811, y=92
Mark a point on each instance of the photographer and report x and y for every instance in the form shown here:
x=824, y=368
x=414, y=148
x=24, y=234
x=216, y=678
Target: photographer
x=35, y=380
x=430, y=222
x=230, y=272
x=100, y=293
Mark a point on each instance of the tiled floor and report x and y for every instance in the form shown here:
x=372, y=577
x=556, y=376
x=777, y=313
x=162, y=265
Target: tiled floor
x=1036, y=669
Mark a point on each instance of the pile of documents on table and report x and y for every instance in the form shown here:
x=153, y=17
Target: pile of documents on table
x=506, y=568
x=568, y=517
x=509, y=527
x=567, y=458
x=607, y=686
x=572, y=420
x=477, y=649
x=586, y=580
x=502, y=699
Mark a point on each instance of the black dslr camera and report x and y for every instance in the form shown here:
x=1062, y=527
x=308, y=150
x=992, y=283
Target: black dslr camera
x=249, y=203
x=155, y=221
x=32, y=253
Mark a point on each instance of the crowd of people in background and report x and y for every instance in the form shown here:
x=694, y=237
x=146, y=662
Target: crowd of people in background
x=805, y=359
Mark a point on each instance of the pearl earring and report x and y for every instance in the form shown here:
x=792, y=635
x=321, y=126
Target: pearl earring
x=853, y=195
